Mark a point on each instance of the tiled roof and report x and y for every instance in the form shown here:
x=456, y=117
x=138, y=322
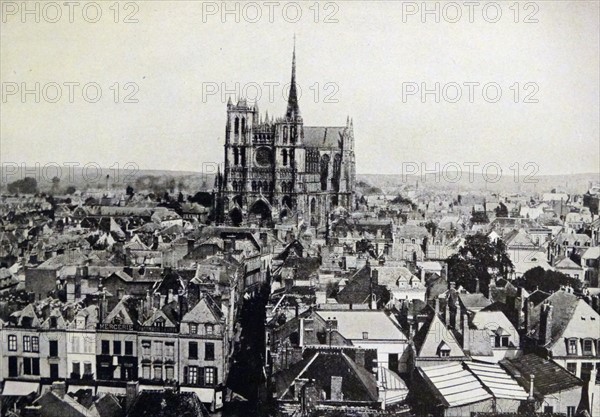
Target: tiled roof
x=549, y=378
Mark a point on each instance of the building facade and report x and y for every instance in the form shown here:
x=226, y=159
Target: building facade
x=277, y=167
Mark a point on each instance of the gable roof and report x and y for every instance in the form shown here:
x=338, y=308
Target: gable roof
x=352, y=323
x=428, y=338
x=497, y=380
x=357, y=383
x=205, y=311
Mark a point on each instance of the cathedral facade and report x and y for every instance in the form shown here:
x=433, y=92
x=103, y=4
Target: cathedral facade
x=277, y=168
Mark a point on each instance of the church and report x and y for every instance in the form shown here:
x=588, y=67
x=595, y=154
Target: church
x=278, y=168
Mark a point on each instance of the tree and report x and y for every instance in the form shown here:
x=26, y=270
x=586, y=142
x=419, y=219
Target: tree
x=27, y=185
x=71, y=190
x=129, y=191
x=55, y=185
x=479, y=217
x=539, y=278
x=501, y=210
x=481, y=259
x=431, y=227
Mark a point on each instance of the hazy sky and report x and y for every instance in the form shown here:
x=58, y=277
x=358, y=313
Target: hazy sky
x=366, y=56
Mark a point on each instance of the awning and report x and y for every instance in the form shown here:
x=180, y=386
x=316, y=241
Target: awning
x=111, y=390
x=206, y=395
x=19, y=388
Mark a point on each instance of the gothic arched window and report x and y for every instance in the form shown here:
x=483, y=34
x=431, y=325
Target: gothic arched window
x=253, y=185
x=236, y=129
x=284, y=154
x=236, y=156
x=243, y=125
x=285, y=134
x=324, y=171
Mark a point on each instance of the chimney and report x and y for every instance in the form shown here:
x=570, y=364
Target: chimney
x=447, y=315
x=546, y=324
x=336, y=388
x=465, y=333
x=59, y=388
x=170, y=296
x=528, y=311
x=476, y=285
x=190, y=245
x=531, y=378
x=457, y=316
x=437, y=305
x=131, y=392
x=359, y=357
x=162, y=300
x=491, y=289
x=148, y=303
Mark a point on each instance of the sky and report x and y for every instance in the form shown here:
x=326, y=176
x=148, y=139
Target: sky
x=508, y=84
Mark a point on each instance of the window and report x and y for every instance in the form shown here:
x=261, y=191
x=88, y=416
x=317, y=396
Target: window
x=27, y=366
x=570, y=411
x=548, y=409
x=572, y=347
x=209, y=376
x=444, y=353
x=157, y=371
x=116, y=347
x=588, y=346
x=31, y=366
x=129, y=348
x=170, y=373
x=210, y=329
x=504, y=341
x=53, y=322
x=365, y=335
x=87, y=369
x=105, y=347
x=193, y=350
x=77, y=368
x=209, y=352
x=158, y=348
x=35, y=344
x=146, y=371
x=193, y=328
x=53, y=344
x=12, y=343
x=193, y=375
x=572, y=367
x=13, y=367
x=586, y=369
x=145, y=348
x=26, y=344
x=170, y=350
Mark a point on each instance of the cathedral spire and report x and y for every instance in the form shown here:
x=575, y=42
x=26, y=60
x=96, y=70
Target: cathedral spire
x=293, y=110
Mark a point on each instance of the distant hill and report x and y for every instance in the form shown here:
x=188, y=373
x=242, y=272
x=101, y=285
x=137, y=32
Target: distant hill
x=159, y=181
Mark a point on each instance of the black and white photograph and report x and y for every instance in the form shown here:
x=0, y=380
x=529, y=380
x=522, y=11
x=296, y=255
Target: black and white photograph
x=303, y=208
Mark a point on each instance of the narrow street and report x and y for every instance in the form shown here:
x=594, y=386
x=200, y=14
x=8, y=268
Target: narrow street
x=246, y=377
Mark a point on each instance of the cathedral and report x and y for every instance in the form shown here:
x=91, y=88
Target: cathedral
x=278, y=168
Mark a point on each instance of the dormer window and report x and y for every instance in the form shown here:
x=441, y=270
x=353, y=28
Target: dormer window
x=209, y=329
x=159, y=322
x=443, y=350
x=588, y=347
x=365, y=335
x=193, y=328
x=53, y=322
x=572, y=346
